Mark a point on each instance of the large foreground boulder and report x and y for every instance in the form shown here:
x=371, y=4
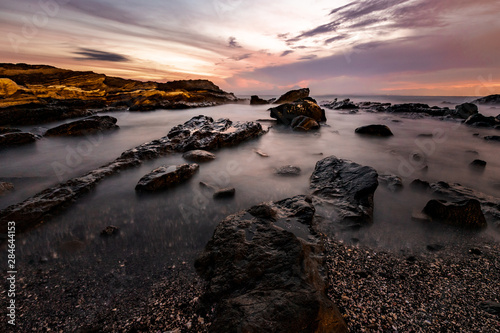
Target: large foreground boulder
x=166, y=176
x=16, y=139
x=348, y=186
x=293, y=95
x=265, y=272
x=286, y=113
x=90, y=125
x=466, y=213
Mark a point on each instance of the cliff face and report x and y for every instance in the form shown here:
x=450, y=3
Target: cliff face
x=32, y=94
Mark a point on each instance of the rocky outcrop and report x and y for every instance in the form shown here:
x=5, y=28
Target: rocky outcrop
x=464, y=111
x=265, y=272
x=166, y=176
x=479, y=120
x=466, y=213
x=304, y=124
x=345, y=104
x=292, y=96
x=256, y=100
x=198, y=156
x=286, y=113
x=374, y=130
x=348, y=186
x=491, y=99
x=207, y=133
x=16, y=139
x=417, y=108
x=34, y=94
x=90, y=125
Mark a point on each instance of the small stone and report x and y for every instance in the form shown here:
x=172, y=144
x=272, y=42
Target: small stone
x=198, y=155
x=260, y=153
x=224, y=193
x=288, y=170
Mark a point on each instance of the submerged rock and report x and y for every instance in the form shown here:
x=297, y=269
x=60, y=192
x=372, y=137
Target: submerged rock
x=90, y=125
x=374, y=130
x=288, y=170
x=304, y=124
x=265, y=272
x=286, y=113
x=198, y=155
x=256, y=100
x=392, y=182
x=16, y=139
x=348, y=186
x=478, y=164
x=461, y=214
x=292, y=96
x=166, y=176
x=223, y=193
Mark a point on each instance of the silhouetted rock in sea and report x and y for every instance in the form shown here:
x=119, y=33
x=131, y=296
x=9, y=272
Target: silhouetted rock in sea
x=166, y=176
x=374, y=130
x=200, y=132
x=348, y=186
x=256, y=100
x=464, y=111
x=292, y=96
x=32, y=94
x=345, y=104
x=286, y=113
x=417, y=108
x=16, y=139
x=265, y=272
x=479, y=120
x=90, y=125
x=465, y=213
x=491, y=99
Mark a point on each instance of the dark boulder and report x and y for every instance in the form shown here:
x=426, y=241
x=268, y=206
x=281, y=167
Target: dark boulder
x=90, y=125
x=198, y=155
x=492, y=138
x=420, y=185
x=348, y=186
x=374, y=130
x=465, y=213
x=417, y=108
x=478, y=164
x=464, y=111
x=16, y=139
x=256, y=100
x=265, y=272
x=491, y=99
x=286, y=113
x=293, y=95
x=304, y=124
x=479, y=120
x=223, y=193
x=166, y=176
x=288, y=170
x=345, y=104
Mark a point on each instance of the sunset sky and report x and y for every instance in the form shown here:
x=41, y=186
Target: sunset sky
x=403, y=47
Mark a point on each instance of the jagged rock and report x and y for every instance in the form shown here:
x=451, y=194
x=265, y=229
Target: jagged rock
x=293, y=95
x=478, y=164
x=345, y=104
x=304, y=124
x=417, y=108
x=6, y=187
x=223, y=193
x=288, y=170
x=6, y=130
x=265, y=272
x=90, y=125
x=492, y=138
x=374, y=130
x=256, y=100
x=166, y=176
x=285, y=113
x=54, y=199
x=198, y=155
x=392, y=182
x=110, y=230
x=465, y=213
x=16, y=139
x=491, y=99
x=479, y=120
x=348, y=186
x=464, y=111
x=189, y=85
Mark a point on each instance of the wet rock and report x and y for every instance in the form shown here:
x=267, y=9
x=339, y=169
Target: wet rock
x=16, y=139
x=286, y=113
x=223, y=193
x=420, y=185
x=491, y=99
x=304, y=124
x=392, y=182
x=292, y=96
x=461, y=214
x=492, y=138
x=267, y=272
x=345, y=104
x=256, y=100
x=464, y=111
x=478, y=164
x=288, y=170
x=348, y=186
x=479, y=120
x=90, y=125
x=166, y=176
x=374, y=130
x=6, y=130
x=198, y=155
x=6, y=187
x=260, y=153
x=491, y=306
x=110, y=230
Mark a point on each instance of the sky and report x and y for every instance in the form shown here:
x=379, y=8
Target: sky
x=337, y=47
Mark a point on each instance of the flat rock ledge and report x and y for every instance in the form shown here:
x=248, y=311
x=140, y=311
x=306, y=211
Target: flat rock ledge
x=200, y=132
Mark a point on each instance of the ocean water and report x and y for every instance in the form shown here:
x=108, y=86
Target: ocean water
x=181, y=220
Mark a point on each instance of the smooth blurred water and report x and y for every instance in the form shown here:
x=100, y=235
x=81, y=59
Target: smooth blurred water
x=169, y=223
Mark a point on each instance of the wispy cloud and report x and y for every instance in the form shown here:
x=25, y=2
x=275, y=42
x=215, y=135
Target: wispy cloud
x=89, y=54
x=231, y=42
x=287, y=52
